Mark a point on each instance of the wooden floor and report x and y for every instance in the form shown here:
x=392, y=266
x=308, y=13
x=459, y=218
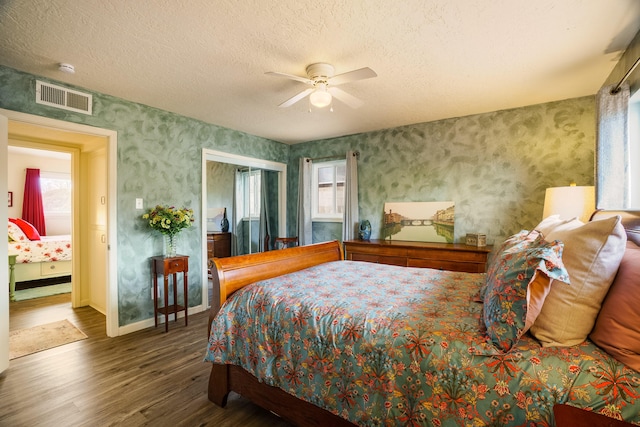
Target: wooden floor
x=144, y=378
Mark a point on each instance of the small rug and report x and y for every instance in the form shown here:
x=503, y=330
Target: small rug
x=32, y=340
x=42, y=291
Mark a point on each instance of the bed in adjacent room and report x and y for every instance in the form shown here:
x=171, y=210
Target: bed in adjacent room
x=324, y=341
x=37, y=257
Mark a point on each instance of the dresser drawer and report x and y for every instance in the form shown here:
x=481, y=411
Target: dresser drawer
x=175, y=265
x=55, y=268
x=441, y=256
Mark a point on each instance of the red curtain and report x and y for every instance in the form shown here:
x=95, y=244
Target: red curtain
x=32, y=210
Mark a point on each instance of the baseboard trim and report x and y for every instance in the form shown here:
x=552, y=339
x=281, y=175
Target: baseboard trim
x=149, y=323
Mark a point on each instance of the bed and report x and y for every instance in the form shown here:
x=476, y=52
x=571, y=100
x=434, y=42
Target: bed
x=324, y=341
x=37, y=257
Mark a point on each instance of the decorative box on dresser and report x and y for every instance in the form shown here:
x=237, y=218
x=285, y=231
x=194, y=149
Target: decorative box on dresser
x=442, y=256
x=218, y=244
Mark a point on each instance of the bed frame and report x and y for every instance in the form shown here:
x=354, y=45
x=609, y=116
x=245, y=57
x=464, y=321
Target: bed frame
x=231, y=274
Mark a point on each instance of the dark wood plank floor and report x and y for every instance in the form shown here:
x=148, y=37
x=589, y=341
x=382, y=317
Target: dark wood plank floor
x=144, y=378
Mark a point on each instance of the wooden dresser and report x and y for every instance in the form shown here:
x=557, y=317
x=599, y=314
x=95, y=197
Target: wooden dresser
x=218, y=245
x=442, y=256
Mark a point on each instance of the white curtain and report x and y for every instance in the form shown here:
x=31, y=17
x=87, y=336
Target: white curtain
x=305, y=235
x=612, y=148
x=264, y=214
x=236, y=218
x=350, y=216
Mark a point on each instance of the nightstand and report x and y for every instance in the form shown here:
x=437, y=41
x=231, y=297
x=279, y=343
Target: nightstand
x=170, y=266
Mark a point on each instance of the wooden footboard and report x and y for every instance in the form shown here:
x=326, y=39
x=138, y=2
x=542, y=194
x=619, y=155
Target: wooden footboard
x=231, y=274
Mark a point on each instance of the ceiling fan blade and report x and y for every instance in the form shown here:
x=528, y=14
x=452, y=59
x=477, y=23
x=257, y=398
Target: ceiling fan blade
x=289, y=102
x=290, y=76
x=343, y=96
x=352, y=76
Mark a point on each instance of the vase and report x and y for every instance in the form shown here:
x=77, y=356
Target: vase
x=224, y=224
x=171, y=242
x=365, y=230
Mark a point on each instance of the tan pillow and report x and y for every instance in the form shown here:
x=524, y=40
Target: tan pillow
x=551, y=222
x=592, y=254
x=617, y=329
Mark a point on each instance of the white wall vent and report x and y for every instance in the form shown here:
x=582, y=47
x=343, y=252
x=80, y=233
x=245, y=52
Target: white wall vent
x=61, y=97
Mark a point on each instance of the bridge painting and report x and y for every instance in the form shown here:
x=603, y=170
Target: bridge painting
x=419, y=221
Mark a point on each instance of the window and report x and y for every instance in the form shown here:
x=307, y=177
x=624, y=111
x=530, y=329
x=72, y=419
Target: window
x=56, y=193
x=250, y=199
x=328, y=190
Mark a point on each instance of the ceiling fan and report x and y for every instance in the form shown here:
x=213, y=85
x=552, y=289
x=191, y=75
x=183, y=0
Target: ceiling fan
x=323, y=85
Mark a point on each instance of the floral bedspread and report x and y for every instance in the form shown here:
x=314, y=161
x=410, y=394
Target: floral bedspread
x=386, y=345
x=50, y=248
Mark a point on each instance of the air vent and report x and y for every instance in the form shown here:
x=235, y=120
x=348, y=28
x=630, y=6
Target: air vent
x=61, y=97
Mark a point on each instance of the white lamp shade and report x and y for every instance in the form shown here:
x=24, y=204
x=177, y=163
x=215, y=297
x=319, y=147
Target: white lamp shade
x=570, y=202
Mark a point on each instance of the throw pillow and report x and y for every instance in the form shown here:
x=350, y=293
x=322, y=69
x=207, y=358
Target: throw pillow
x=28, y=229
x=15, y=233
x=592, y=254
x=495, y=261
x=617, y=329
x=551, y=222
x=517, y=286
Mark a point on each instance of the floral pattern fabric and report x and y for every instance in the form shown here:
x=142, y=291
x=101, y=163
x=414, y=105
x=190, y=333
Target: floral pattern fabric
x=48, y=249
x=386, y=345
x=513, y=272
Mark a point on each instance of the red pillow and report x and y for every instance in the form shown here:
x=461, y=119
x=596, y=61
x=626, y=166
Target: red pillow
x=27, y=228
x=617, y=330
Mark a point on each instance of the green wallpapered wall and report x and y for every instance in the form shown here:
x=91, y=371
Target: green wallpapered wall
x=495, y=167
x=159, y=160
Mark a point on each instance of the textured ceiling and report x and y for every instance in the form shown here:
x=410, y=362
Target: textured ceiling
x=434, y=58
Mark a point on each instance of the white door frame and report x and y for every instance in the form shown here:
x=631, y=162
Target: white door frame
x=112, y=241
x=4, y=249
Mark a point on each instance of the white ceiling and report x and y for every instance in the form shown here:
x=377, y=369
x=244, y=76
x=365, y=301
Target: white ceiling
x=435, y=59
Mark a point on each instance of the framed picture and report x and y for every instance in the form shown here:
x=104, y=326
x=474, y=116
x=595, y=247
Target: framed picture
x=10, y=198
x=419, y=221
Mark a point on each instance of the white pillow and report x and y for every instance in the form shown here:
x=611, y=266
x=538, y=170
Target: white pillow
x=592, y=255
x=16, y=233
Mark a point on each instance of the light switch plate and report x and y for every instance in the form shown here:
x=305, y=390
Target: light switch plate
x=139, y=204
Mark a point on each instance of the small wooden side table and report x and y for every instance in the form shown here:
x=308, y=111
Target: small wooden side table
x=168, y=266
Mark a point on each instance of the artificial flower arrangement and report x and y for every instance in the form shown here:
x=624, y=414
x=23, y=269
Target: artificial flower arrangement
x=169, y=221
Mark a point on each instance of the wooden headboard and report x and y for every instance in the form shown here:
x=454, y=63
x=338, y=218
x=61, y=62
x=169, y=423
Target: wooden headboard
x=630, y=221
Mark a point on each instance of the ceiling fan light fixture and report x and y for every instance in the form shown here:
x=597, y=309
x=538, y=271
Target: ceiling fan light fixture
x=320, y=98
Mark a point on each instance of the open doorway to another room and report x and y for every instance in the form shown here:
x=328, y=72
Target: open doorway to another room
x=73, y=178
x=43, y=254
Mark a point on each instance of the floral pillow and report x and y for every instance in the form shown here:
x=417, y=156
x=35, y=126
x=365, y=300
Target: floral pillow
x=517, y=284
x=15, y=233
x=27, y=228
x=494, y=261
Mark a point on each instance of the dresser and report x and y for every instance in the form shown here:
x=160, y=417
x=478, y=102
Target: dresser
x=218, y=245
x=442, y=256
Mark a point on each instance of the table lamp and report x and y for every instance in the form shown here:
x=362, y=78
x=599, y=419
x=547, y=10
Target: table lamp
x=570, y=202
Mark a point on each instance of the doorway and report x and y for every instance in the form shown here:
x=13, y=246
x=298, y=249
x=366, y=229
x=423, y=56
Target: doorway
x=93, y=223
